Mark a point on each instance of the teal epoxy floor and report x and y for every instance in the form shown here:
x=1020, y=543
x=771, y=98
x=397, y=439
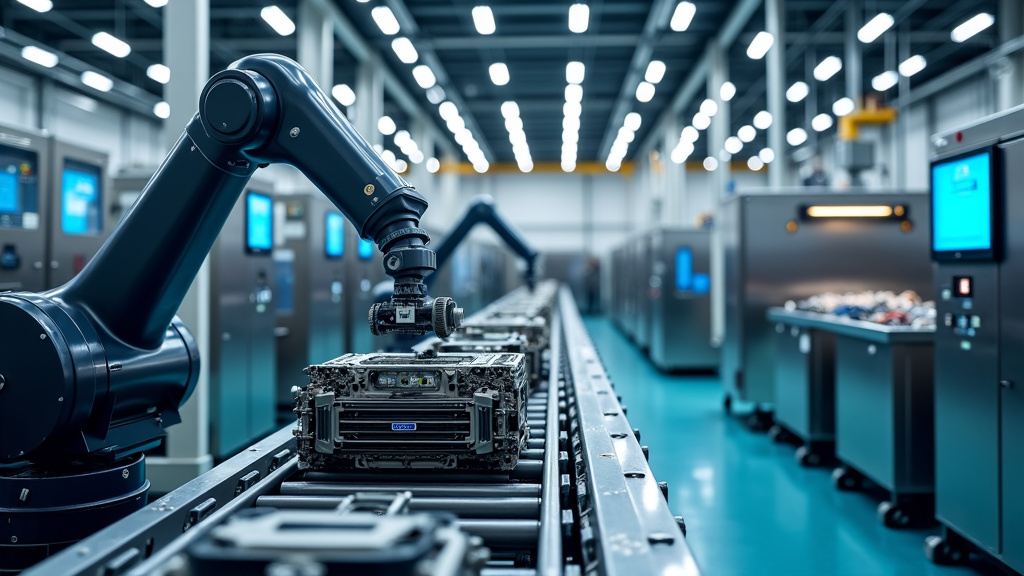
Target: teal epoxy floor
x=750, y=509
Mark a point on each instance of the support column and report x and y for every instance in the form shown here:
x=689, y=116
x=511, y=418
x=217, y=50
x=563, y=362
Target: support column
x=852, y=61
x=718, y=74
x=369, y=106
x=315, y=37
x=775, y=22
x=673, y=191
x=187, y=54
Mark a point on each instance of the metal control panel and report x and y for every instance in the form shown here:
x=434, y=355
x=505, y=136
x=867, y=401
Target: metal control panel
x=80, y=215
x=24, y=179
x=309, y=263
x=978, y=249
x=243, y=355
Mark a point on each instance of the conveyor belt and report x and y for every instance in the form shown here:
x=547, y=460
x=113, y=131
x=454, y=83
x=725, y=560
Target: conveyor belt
x=599, y=510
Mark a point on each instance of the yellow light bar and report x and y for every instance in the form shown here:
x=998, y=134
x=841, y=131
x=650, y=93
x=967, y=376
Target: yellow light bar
x=849, y=211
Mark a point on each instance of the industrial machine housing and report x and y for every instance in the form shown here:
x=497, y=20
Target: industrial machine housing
x=977, y=245
x=775, y=250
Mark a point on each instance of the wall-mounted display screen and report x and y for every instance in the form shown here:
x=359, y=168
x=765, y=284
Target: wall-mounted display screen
x=365, y=249
x=684, y=269
x=963, y=206
x=81, y=198
x=334, y=235
x=19, y=188
x=259, y=223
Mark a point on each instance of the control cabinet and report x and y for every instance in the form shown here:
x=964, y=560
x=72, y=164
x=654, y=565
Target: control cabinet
x=80, y=214
x=24, y=180
x=243, y=356
x=978, y=247
x=309, y=263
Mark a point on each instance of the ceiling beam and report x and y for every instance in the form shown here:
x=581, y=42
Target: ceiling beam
x=554, y=41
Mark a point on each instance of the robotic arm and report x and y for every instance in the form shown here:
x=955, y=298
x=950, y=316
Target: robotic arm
x=98, y=367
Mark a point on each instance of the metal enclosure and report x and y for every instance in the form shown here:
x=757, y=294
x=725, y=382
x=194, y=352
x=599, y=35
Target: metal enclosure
x=311, y=284
x=80, y=218
x=243, y=359
x=24, y=181
x=773, y=254
x=884, y=399
x=679, y=300
x=805, y=381
x=979, y=399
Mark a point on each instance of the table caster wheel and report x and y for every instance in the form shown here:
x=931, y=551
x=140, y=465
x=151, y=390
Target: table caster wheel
x=939, y=550
x=807, y=457
x=893, y=515
x=778, y=434
x=846, y=480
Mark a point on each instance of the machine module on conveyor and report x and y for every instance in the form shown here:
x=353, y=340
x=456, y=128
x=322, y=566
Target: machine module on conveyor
x=414, y=411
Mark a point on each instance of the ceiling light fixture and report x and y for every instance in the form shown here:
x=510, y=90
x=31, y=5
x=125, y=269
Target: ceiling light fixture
x=386, y=125
x=424, y=76
x=97, y=81
x=405, y=51
x=111, y=44
x=760, y=45
x=499, y=73
x=797, y=92
x=645, y=91
x=766, y=155
x=632, y=121
x=682, y=16
x=343, y=94
x=278, y=20
x=483, y=19
x=574, y=72
x=727, y=91
x=796, y=136
x=573, y=93
x=38, y=5
x=885, y=80
x=385, y=20
x=762, y=120
x=162, y=110
x=746, y=133
x=159, y=73
x=39, y=56
x=827, y=68
x=971, y=27
x=843, y=106
x=874, y=28
x=655, y=71
x=913, y=65
x=821, y=122
x=709, y=107
x=579, y=18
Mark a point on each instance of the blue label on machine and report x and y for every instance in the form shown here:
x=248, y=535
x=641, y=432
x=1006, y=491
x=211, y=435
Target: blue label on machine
x=398, y=426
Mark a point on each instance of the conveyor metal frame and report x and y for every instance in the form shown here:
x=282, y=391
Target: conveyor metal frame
x=619, y=519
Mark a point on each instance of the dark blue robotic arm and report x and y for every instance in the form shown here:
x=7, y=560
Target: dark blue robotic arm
x=98, y=367
x=482, y=211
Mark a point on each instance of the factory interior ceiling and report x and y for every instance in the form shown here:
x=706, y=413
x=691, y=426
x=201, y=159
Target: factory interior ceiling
x=533, y=39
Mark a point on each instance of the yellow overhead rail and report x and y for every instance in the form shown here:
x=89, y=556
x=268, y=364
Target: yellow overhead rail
x=848, y=125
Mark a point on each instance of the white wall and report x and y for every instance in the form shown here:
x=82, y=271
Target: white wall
x=131, y=140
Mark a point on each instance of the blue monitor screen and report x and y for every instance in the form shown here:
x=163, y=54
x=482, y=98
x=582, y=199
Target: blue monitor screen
x=365, y=249
x=10, y=198
x=962, y=204
x=259, y=223
x=334, y=235
x=701, y=283
x=81, y=199
x=684, y=269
